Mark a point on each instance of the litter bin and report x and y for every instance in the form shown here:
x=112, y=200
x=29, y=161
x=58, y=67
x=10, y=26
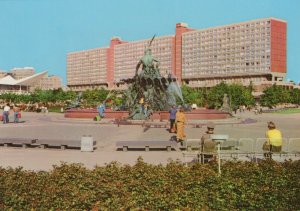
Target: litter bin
x=87, y=144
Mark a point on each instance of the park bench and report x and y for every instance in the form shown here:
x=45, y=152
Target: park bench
x=124, y=121
x=155, y=124
x=63, y=144
x=192, y=149
x=192, y=144
x=24, y=142
x=42, y=142
x=147, y=145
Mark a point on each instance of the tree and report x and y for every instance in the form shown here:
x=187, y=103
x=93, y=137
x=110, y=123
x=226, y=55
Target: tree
x=92, y=97
x=216, y=94
x=192, y=95
x=274, y=95
x=43, y=96
x=237, y=93
x=295, y=96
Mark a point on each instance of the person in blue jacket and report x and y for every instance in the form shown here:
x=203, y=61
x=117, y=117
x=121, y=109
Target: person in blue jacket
x=101, y=109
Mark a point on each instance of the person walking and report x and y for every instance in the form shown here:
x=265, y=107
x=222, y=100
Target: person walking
x=146, y=110
x=101, y=110
x=6, y=114
x=180, y=122
x=16, y=113
x=172, y=117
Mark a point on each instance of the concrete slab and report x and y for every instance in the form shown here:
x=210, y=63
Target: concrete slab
x=55, y=126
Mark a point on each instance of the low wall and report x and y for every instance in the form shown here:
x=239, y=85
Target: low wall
x=195, y=114
x=161, y=115
x=91, y=113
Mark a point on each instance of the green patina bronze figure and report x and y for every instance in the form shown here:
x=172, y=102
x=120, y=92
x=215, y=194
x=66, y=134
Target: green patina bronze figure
x=149, y=65
x=76, y=103
x=148, y=91
x=226, y=104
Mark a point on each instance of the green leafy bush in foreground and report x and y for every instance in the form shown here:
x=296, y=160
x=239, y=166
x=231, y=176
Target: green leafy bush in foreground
x=242, y=186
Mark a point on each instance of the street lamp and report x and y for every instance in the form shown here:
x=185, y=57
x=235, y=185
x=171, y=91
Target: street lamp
x=218, y=138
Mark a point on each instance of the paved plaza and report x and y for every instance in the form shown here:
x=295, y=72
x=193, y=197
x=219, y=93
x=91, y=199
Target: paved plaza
x=106, y=134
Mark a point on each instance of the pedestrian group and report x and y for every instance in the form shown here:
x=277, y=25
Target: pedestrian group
x=6, y=113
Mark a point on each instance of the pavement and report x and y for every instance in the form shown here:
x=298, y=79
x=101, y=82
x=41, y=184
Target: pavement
x=54, y=125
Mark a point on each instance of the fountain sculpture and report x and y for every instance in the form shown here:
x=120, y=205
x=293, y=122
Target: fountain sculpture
x=148, y=91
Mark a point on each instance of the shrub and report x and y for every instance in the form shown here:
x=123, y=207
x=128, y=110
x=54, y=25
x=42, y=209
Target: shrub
x=242, y=186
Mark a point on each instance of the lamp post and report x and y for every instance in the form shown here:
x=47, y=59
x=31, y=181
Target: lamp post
x=219, y=139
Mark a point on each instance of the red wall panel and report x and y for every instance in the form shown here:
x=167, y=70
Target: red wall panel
x=180, y=29
x=278, y=46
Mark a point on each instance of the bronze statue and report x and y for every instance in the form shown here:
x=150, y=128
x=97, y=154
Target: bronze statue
x=148, y=91
x=226, y=104
x=76, y=103
x=149, y=65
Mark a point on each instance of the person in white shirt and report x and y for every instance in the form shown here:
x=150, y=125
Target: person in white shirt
x=6, y=114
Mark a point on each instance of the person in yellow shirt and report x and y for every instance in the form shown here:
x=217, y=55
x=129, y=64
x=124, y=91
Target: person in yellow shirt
x=274, y=143
x=180, y=122
x=142, y=104
x=141, y=101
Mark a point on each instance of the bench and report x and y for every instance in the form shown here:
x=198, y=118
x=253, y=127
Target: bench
x=193, y=150
x=124, y=121
x=147, y=145
x=43, y=143
x=155, y=124
x=192, y=144
x=6, y=141
x=63, y=144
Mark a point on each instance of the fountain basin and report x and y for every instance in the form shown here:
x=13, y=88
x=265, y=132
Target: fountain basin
x=197, y=114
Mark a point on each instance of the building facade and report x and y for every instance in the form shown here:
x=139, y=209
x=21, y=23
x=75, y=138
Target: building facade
x=19, y=73
x=2, y=73
x=48, y=83
x=252, y=51
x=44, y=83
x=87, y=69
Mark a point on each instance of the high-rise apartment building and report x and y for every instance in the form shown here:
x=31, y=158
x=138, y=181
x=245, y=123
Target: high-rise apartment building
x=252, y=51
x=22, y=72
x=87, y=69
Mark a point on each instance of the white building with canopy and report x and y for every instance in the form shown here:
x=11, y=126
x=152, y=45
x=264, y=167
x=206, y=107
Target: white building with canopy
x=24, y=85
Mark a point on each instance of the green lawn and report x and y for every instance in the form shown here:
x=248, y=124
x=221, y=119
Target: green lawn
x=288, y=111
x=54, y=109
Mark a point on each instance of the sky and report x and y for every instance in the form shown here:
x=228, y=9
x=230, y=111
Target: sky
x=40, y=33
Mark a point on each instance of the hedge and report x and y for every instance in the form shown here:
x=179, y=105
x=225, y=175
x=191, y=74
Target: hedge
x=267, y=185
